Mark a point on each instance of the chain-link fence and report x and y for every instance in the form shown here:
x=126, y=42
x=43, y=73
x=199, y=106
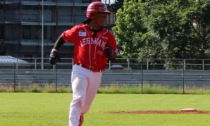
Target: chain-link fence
x=182, y=74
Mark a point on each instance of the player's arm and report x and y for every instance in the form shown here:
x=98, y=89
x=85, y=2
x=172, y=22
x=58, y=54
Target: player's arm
x=58, y=43
x=54, y=57
x=66, y=36
x=111, y=48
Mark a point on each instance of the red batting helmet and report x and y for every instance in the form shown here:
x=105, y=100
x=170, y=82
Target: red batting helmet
x=96, y=7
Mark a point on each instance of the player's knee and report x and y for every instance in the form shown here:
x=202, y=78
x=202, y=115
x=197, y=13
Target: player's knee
x=85, y=109
x=79, y=101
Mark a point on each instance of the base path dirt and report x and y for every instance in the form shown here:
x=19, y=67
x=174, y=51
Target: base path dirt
x=161, y=112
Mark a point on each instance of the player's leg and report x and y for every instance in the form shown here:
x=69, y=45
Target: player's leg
x=94, y=83
x=79, y=86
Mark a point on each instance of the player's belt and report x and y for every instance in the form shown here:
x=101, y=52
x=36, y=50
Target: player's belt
x=91, y=68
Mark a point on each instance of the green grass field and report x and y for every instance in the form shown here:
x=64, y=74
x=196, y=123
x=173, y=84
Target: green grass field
x=51, y=109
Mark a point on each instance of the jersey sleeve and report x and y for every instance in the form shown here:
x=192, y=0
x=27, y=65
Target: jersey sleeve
x=112, y=42
x=69, y=35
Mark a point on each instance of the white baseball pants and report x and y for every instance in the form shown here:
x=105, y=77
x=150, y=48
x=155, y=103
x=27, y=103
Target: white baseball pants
x=85, y=84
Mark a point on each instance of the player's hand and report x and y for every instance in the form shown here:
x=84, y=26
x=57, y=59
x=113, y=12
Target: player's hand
x=120, y=49
x=54, y=57
x=110, y=53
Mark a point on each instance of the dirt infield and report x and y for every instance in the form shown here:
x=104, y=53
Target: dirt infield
x=161, y=112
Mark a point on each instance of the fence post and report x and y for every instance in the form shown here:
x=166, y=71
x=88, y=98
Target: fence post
x=203, y=63
x=16, y=64
x=183, y=82
x=56, y=79
x=142, y=79
x=128, y=60
x=14, y=83
x=109, y=65
x=35, y=64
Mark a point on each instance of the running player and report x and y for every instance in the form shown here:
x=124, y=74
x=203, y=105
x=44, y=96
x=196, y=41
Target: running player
x=90, y=40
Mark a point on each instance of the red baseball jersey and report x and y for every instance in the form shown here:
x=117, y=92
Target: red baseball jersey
x=89, y=50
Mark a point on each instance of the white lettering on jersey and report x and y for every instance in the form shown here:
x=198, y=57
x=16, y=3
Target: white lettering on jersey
x=96, y=41
x=82, y=34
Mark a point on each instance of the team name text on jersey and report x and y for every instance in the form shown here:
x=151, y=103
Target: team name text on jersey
x=89, y=40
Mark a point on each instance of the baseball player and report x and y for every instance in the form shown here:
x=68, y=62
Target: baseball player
x=93, y=44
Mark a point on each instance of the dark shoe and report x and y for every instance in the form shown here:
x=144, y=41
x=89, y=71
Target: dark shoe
x=81, y=119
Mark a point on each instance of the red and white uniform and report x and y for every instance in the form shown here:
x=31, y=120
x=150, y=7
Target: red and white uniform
x=90, y=51
x=89, y=61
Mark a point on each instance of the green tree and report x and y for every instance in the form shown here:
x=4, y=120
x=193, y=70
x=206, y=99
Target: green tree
x=164, y=28
x=129, y=28
x=175, y=22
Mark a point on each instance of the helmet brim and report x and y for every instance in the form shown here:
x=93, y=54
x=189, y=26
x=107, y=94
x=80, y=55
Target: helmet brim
x=107, y=12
